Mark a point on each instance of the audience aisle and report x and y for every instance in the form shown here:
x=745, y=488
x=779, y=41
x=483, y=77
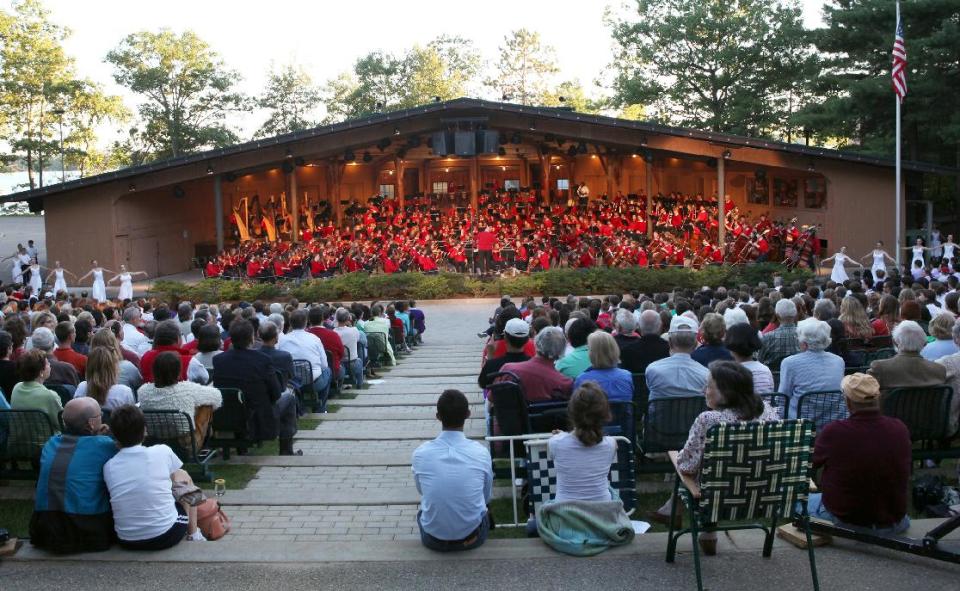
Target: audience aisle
x=354, y=482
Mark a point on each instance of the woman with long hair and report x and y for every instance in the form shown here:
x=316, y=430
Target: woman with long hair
x=887, y=316
x=129, y=373
x=101, y=384
x=856, y=324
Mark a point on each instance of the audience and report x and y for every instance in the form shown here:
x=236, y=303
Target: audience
x=540, y=379
x=516, y=335
x=305, y=345
x=129, y=373
x=604, y=356
x=102, y=383
x=743, y=343
x=66, y=334
x=635, y=357
x=941, y=329
x=781, y=342
x=952, y=365
x=169, y=392
x=712, y=330
x=60, y=372
x=576, y=361
x=907, y=368
x=30, y=393
x=813, y=369
x=166, y=337
x=350, y=337
x=678, y=375
x=8, y=368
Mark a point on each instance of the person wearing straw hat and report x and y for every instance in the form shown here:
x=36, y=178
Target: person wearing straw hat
x=866, y=464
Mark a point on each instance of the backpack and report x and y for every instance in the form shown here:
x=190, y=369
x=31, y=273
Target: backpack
x=212, y=521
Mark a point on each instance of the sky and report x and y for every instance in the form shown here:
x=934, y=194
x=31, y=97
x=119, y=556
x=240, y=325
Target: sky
x=326, y=37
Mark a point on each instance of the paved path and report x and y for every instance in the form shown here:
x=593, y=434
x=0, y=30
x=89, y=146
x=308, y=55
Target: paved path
x=354, y=483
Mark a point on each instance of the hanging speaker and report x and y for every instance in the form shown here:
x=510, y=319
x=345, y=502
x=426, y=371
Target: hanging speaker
x=465, y=143
x=439, y=144
x=489, y=141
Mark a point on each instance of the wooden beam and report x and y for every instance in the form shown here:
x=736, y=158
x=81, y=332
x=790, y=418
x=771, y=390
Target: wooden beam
x=294, y=210
x=398, y=167
x=474, y=183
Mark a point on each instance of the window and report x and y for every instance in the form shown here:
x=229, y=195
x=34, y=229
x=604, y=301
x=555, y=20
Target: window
x=785, y=192
x=513, y=184
x=563, y=184
x=815, y=193
x=387, y=191
x=758, y=190
x=440, y=186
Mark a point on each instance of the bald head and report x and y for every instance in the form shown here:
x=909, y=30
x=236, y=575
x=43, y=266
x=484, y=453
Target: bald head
x=77, y=415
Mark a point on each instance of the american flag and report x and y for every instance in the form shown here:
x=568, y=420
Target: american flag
x=899, y=61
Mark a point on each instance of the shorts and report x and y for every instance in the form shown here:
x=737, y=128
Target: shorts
x=169, y=539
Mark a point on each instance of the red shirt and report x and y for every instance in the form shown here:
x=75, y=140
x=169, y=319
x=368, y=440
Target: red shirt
x=486, y=240
x=146, y=362
x=500, y=348
x=331, y=342
x=73, y=358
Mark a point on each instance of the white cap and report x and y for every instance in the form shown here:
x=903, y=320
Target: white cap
x=682, y=323
x=517, y=327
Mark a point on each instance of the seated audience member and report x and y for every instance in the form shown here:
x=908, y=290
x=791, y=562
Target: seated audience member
x=378, y=324
x=712, y=329
x=635, y=357
x=813, y=369
x=72, y=509
x=541, y=381
x=66, y=334
x=8, y=368
x=678, y=375
x=907, y=368
x=133, y=339
x=604, y=356
x=516, y=335
x=941, y=328
x=350, y=337
x=418, y=320
x=887, y=316
x=60, y=371
x=952, y=364
x=866, y=461
x=303, y=344
x=209, y=345
x=781, y=342
x=272, y=412
x=856, y=324
x=731, y=399
x=331, y=341
x=30, y=394
x=625, y=327
x=168, y=392
x=140, y=481
x=577, y=361
x=743, y=342
x=116, y=328
x=454, y=477
x=282, y=361
x=103, y=373
x=582, y=460
x=166, y=337
x=497, y=346
x=129, y=374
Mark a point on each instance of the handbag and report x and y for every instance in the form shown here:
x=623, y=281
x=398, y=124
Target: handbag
x=212, y=521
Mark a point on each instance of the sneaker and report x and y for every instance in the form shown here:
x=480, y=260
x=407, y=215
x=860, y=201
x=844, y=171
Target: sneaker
x=196, y=536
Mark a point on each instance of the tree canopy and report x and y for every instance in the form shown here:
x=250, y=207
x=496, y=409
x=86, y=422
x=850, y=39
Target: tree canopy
x=290, y=98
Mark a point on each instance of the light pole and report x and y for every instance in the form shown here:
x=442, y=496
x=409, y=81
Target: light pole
x=63, y=172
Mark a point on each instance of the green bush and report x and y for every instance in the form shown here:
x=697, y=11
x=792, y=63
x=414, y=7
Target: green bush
x=556, y=282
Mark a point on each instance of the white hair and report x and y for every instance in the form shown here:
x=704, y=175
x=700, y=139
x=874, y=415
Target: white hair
x=909, y=337
x=734, y=316
x=813, y=333
x=626, y=321
x=550, y=343
x=650, y=322
x=786, y=309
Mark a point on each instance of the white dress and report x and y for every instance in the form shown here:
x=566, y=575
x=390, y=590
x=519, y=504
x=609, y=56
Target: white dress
x=879, y=262
x=917, y=255
x=99, y=291
x=948, y=252
x=36, y=281
x=59, y=284
x=839, y=273
x=935, y=244
x=126, y=287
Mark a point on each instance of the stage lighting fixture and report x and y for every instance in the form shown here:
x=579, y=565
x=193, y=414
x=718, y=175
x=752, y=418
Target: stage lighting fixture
x=581, y=148
x=436, y=99
x=289, y=153
x=516, y=138
x=811, y=167
x=299, y=161
x=643, y=141
x=287, y=167
x=367, y=157
x=132, y=188
x=502, y=151
x=209, y=169
x=349, y=156
x=396, y=131
x=572, y=151
x=727, y=154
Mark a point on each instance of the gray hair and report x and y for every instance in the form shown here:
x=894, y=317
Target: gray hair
x=786, y=310
x=683, y=341
x=824, y=310
x=956, y=331
x=734, y=316
x=131, y=314
x=813, y=333
x=43, y=339
x=276, y=308
x=909, y=337
x=626, y=321
x=277, y=319
x=342, y=315
x=650, y=322
x=550, y=343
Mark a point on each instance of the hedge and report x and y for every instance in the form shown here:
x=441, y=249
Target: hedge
x=556, y=282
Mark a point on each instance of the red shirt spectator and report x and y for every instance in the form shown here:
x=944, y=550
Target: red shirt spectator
x=146, y=362
x=68, y=355
x=331, y=342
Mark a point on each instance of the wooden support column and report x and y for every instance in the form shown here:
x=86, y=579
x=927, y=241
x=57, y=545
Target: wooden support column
x=336, y=176
x=424, y=179
x=398, y=170
x=721, y=186
x=648, y=160
x=218, y=210
x=474, y=183
x=294, y=207
x=545, y=177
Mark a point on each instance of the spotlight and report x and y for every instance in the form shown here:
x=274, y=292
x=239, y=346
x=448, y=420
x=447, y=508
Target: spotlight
x=396, y=131
x=516, y=138
x=132, y=188
x=502, y=151
x=643, y=141
x=727, y=154
x=289, y=153
x=349, y=156
x=572, y=151
x=367, y=157
x=581, y=148
x=209, y=169
x=811, y=167
x=299, y=161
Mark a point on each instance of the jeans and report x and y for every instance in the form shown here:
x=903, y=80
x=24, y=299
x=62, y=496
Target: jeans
x=817, y=509
x=474, y=540
x=321, y=386
x=285, y=411
x=354, y=369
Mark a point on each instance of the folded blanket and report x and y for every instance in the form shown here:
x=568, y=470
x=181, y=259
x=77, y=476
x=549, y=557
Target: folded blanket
x=584, y=528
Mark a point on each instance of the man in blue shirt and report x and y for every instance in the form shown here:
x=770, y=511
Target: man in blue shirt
x=678, y=375
x=72, y=508
x=454, y=477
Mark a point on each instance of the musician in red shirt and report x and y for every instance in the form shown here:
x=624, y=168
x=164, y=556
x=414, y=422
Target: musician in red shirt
x=485, y=241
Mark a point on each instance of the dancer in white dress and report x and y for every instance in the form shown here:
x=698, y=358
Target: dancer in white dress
x=126, y=282
x=918, y=250
x=36, y=278
x=880, y=258
x=60, y=282
x=936, y=251
x=949, y=249
x=99, y=289
x=840, y=260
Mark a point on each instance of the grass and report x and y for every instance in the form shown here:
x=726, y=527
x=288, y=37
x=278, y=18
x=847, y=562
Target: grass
x=308, y=424
x=236, y=476
x=15, y=516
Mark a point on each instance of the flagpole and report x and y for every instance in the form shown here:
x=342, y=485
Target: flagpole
x=896, y=98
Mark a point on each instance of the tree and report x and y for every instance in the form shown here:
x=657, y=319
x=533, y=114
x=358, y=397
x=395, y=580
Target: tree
x=373, y=85
x=290, y=97
x=723, y=65
x=39, y=90
x=186, y=88
x=573, y=95
x=524, y=69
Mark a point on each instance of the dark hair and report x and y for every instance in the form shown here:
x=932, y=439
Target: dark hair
x=516, y=342
x=298, y=320
x=579, y=331
x=127, y=425
x=166, y=333
x=162, y=313
x=62, y=331
x=83, y=327
x=453, y=409
x=735, y=383
x=208, y=338
x=539, y=324
x=6, y=343
x=196, y=325
x=589, y=411
x=166, y=369
x=314, y=316
x=30, y=365
x=241, y=334
x=742, y=339
x=268, y=331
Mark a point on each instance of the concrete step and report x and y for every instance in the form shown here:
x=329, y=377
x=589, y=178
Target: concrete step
x=389, y=413
x=368, y=430
x=324, y=460
x=449, y=370
x=425, y=398
x=406, y=495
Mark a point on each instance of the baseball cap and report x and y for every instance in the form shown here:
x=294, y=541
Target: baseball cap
x=682, y=324
x=516, y=327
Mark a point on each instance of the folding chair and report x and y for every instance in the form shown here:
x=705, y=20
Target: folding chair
x=336, y=379
x=23, y=433
x=622, y=422
x=302, y=381
x=666, y=426
x=62, y=391
x=175, y=429
x=229, y=424
x=376, y=349
x=926, y=413
x=750, y=471
x=821, y=408
x=781, y=402
x=510, y=416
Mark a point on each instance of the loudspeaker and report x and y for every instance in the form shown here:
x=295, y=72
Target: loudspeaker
x=35, y=205
x=439, y=144
x=760, y=174
x=465, y=143
x=489, y=141
x=178, y=192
